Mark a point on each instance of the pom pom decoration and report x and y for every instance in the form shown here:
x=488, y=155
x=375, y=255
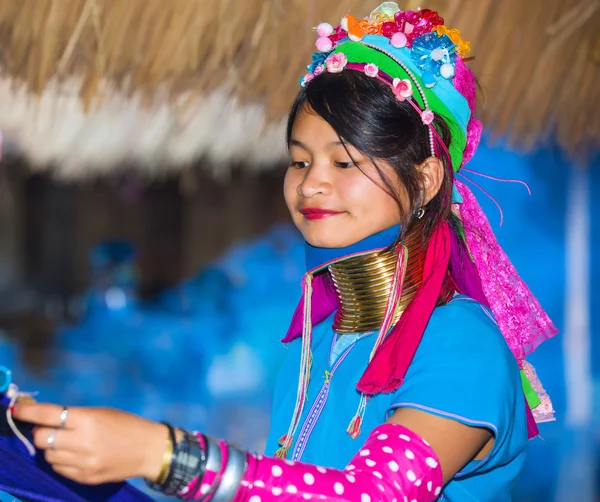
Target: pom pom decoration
x=324, y=30
x=324, y=44
x=437, y=54
x=447, y=70
x=398, y=40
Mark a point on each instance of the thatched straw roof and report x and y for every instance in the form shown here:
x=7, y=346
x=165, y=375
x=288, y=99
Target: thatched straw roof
x=161, y=74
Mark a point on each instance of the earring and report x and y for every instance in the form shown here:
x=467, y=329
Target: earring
x=420, y=213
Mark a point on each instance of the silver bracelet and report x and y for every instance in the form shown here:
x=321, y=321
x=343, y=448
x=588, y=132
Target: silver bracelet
x=214, y=463
x=232, y=476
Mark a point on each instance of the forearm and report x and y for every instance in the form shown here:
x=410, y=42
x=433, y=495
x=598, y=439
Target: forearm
x=373, y=474
x=393, y=463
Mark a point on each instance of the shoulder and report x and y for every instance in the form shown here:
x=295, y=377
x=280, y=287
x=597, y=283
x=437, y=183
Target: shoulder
x=462, y=314
x=465, y=325
x=464, y=371
x=463, y=339
x=464, y=368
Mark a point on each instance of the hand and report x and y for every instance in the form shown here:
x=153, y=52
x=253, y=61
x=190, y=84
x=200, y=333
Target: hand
x=97, y=445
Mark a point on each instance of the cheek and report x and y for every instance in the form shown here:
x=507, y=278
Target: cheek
x=373, y=204
x=290, y=187
x=382, y=199
x=392, y=212
x=363, y=196
x=353, y=189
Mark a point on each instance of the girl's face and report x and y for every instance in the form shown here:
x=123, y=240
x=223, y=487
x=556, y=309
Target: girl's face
x=334, y=201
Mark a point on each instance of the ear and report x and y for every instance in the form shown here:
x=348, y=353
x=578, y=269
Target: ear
x=432, y=171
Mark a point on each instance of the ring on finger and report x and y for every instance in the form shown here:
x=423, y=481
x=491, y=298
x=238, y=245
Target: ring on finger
x=63, y=417
x=52, y=439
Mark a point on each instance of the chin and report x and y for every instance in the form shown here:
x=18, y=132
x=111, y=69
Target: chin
x=329, y=233
x=328, y=244
x=327, y=240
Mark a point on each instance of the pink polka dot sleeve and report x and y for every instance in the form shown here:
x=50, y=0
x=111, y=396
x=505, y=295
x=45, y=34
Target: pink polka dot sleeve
x=394, y=464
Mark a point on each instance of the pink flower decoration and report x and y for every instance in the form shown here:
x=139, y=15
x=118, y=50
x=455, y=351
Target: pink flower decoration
x=402, y=88
x=336, y=62
x=371, y=70
x=427, y=117
x=318, y=70
x=307, y=78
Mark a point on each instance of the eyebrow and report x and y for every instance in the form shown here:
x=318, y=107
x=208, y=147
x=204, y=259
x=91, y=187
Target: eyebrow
x=299, y=144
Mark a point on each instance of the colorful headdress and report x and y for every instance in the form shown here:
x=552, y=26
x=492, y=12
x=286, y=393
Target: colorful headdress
x=419, y=58
x=422, y=62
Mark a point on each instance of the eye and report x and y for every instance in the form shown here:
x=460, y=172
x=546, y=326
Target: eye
x=345, y=165
x=299, y=164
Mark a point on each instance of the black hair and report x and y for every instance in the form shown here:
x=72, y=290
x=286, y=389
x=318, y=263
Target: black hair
x=365, y=113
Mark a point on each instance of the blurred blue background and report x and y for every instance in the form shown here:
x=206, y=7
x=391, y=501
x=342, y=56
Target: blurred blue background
x=204, y=354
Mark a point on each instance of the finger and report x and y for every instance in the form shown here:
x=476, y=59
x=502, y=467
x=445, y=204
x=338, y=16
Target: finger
x=45, y=438
x=47, y=415
x=62, y=439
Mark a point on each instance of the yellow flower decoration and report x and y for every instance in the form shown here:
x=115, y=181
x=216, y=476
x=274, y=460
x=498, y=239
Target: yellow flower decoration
x=378, y=18
x=462, y=46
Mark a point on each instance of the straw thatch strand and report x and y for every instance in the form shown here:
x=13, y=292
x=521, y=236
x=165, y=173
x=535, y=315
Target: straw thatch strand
x=538, y=64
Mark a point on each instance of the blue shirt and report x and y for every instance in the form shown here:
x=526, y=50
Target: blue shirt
x=462, y=370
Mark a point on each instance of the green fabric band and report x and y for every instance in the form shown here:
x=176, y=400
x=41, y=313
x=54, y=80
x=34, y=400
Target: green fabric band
x=357, y=52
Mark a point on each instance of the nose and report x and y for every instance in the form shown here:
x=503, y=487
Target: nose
x=316, y=181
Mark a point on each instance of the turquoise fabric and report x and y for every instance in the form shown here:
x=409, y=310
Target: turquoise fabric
x=316, y=257
x=444, y=89
x=462, y=370
x=7, y=497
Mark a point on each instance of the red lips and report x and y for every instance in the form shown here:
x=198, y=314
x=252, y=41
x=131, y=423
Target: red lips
x=317, y=213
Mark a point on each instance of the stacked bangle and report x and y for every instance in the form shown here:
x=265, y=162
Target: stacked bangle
x=184, y=462
x=233, y=473
x=189, y=459
x=189, y=462
x=167, y=456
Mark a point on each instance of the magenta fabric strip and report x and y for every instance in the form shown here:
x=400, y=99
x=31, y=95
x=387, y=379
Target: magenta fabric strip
x=464, y=272
x=385, y=373
x=324, y=303
x=520, y=317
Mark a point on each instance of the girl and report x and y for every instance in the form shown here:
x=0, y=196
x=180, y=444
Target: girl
x=413, y=326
